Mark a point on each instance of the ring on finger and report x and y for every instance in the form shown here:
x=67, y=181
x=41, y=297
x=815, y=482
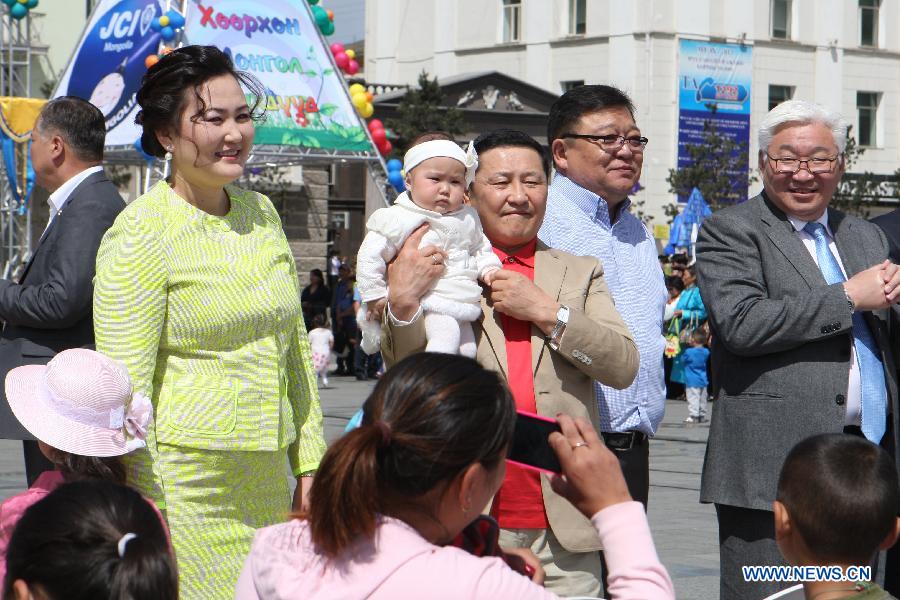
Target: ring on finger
x=436, y=259
x=581, y=444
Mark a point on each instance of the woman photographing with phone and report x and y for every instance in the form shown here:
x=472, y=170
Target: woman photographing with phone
x=197, y=294
x=429, y=455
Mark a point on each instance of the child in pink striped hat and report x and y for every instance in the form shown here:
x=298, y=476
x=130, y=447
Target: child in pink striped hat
x=81, y=408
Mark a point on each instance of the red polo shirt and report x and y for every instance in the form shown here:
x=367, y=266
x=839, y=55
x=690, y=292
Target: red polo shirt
x=519, y=504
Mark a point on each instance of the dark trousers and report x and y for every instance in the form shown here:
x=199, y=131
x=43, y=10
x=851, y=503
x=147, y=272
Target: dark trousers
x=635, y=464
x=35, y=461
x=746, y=537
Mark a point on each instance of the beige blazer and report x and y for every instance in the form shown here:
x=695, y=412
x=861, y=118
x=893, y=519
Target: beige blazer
x=595, y=346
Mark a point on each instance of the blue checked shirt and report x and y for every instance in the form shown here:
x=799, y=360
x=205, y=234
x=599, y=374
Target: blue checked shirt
x=577, y=221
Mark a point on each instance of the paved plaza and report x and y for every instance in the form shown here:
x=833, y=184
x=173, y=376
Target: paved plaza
x=684, y=530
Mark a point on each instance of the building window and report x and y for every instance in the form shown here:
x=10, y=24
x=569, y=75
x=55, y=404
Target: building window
x=868, y=22
x=867, y=108
x=512, y=20
x=778, y=94
x=781, y=19
x=577, y=17
x=568, y=85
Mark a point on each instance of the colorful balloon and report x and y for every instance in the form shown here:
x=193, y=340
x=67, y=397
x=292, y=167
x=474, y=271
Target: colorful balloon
x=359, y=100
x=167, y=33
x=164, y=21
x=351, y=54
x=337, y=47
x=341, y=60
x=394, y=165
x=370, y=96
x=320, y=16
x=352, y=67
x=151, y=60
x=367, y=111
x=374, y=123
x=378, y=136
x=31, y=4
x=176, y=20
x=386, y=148
x=328, y=29
x=18, y=11
x=313, y=2
x=396, y=180
x=330, y=14
x=356, y=88
x=9, y=2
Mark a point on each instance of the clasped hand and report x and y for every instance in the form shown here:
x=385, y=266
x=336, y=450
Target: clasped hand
x=875, y=288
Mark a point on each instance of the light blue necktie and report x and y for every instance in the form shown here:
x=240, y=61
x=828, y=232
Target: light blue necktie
x=871, y=371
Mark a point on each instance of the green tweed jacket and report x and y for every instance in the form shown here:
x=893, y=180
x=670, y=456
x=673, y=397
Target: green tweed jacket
x=205, y=313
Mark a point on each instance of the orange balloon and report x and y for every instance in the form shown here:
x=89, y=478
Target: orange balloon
x=167, y=50
x=151, y=60
x=330, y=14
x=369, y=96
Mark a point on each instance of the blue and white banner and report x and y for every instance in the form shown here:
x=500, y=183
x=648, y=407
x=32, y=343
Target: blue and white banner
x=714, y=82
x=108, y=63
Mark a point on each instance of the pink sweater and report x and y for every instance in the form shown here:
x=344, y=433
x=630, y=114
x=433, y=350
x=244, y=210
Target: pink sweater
x=399, y=563
x=14, y=507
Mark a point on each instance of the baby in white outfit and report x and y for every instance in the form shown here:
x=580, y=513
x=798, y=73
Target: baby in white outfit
x=438, y=174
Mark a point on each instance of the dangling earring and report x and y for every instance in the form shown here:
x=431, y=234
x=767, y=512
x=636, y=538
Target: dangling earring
x=168, y=154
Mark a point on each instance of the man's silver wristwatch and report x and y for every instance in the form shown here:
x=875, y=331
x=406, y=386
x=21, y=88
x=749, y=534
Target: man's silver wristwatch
x=562, y=319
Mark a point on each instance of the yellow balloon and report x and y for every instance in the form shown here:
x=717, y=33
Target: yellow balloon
x=357, y=88
x=359, y=100
x=164, y=21
x=367, y=111
x=350, y=54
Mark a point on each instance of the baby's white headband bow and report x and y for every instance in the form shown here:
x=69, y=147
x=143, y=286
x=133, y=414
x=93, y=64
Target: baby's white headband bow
x=434, y=148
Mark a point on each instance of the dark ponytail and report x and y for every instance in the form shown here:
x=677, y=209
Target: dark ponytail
x=429, y=418
x=68, y=546
x=162, y=95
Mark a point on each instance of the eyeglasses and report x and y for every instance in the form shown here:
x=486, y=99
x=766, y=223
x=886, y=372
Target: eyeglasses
x=611, y=142
x=813, y=165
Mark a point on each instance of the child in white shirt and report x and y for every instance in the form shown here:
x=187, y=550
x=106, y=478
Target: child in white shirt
x=321, y=341
x=438, y=174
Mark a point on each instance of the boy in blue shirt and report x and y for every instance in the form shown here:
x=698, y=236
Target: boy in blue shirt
x=695, y=379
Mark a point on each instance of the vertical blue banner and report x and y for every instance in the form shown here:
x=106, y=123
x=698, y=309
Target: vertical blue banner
x=714, y=85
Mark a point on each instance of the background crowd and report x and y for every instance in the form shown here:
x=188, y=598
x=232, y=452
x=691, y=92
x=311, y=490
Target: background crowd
x=202, y=394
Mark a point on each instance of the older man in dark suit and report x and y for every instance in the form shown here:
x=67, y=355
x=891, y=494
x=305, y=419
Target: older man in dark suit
x=797, y=296
x=49, y=308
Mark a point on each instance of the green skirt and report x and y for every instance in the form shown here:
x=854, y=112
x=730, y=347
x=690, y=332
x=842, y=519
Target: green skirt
x=214, y=502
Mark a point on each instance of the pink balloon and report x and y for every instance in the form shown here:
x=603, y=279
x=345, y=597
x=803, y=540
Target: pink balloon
x=336, y=48
x=352, y=68
x=342, y=60
x=379, y=137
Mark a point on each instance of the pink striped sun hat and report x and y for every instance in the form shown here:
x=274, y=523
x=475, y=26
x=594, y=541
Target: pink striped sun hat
x=80, y=402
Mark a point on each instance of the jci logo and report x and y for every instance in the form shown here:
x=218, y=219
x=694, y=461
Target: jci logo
x=123, y=24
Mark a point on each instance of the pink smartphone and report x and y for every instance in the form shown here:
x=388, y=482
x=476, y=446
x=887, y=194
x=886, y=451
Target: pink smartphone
x=530, y=447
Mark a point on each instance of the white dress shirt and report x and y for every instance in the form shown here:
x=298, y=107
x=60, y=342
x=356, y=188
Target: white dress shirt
x=58, y=198
x=854, y=391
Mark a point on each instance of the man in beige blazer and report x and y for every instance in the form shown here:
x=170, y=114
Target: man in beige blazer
x=576, y=334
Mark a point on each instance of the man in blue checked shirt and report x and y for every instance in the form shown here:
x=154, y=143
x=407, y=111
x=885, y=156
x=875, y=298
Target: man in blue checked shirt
x=598, y=152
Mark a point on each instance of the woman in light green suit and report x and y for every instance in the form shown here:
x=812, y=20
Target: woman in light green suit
x=197, y=294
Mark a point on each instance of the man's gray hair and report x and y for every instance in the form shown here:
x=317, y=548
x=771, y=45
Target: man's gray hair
x=802, y=112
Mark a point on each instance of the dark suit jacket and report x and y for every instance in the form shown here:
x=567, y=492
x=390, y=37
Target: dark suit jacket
x=781, y=343
x=890, y=225
x=50, y=309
